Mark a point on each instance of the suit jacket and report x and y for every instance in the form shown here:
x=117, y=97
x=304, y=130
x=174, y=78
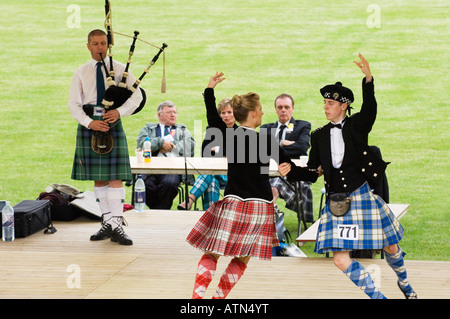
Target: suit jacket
x=360, y=160
x=153, y=132
x=299, y=134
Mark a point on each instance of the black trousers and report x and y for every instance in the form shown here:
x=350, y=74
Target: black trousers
x=160, y=190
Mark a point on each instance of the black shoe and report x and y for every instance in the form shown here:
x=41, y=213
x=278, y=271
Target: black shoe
x=189, y=204
x=119, y=236
x=104, y=233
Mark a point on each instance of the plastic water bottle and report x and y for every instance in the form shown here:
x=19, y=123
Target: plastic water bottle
x=147, y=150
x=8, y=223
x=139, y=195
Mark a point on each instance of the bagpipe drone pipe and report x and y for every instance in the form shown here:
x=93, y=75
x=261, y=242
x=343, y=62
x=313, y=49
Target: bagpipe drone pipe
x=117, y=94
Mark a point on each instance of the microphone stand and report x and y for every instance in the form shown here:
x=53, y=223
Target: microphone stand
x=186, y=190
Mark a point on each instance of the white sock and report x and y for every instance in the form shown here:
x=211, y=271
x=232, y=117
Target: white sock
x=116, y=198
x=101, y=194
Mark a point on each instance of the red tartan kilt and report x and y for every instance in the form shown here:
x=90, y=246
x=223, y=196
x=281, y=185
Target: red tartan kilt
x=238, y=228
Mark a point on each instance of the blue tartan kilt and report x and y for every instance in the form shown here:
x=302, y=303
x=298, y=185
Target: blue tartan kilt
x=369, y=224
x=88, y=165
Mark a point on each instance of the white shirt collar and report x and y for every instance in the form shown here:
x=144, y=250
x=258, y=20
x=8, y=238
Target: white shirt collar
x=342, y=122
x=248, y=128
x=94, y=62
x=279, y=123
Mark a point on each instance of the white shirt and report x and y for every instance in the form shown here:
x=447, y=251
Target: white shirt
x=337, y=145
x=162, y=128
x=169, y=138
x=83, y=90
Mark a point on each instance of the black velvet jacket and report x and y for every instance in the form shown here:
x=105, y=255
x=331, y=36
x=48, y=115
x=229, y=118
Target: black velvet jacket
x=360, y=162
x=248, y=153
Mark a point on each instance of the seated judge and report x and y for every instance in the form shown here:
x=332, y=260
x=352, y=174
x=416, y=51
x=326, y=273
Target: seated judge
x=293, y=136
x=166, y=138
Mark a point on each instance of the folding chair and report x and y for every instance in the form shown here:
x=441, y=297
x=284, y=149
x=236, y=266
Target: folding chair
x=182, y=190
x=296, y=187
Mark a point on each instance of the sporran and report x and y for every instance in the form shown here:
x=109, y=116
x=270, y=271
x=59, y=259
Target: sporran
x=102, y=142
x=339, y=204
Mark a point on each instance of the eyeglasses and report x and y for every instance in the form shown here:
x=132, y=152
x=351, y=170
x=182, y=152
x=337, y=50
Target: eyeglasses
x=169, y=112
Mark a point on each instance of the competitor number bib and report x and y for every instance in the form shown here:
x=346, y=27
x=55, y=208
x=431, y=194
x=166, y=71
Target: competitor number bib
x=349, y=232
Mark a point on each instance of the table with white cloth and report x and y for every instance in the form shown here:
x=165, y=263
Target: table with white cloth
x=192, y=165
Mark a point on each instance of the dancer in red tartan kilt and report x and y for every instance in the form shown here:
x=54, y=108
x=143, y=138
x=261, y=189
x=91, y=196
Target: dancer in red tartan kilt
x=242, y=225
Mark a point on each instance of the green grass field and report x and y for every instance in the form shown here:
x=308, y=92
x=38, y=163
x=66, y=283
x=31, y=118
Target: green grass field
x=264, y=46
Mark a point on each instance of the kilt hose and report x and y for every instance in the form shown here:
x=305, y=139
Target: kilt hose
x=237, y=228
x=88, y=165
x=369, y=224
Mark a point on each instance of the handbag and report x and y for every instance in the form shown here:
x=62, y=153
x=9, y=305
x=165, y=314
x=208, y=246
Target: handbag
x=284, y=236
x=282, y=233
x=339, y=204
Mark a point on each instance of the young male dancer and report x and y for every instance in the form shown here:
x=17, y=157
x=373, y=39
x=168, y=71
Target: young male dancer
x=350, y=167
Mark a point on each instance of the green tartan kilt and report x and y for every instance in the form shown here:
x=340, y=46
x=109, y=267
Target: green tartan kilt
x=88, y=165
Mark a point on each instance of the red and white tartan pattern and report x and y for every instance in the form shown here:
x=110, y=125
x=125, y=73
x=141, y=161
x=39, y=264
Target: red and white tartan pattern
x=205, y=272
x=229, y=279
x=238, y=228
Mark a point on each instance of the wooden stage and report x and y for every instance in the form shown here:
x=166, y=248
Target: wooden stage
x=161, y=265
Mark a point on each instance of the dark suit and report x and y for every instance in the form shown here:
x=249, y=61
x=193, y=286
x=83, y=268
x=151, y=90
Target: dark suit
x=360, y=162
x=299, y=134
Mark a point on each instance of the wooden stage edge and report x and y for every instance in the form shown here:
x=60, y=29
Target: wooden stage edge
x=162, y=265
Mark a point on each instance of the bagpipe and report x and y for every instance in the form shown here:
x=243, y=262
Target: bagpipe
x=117, y=94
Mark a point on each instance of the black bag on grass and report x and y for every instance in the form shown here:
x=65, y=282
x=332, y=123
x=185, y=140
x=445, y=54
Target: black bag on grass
x=31, y=216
